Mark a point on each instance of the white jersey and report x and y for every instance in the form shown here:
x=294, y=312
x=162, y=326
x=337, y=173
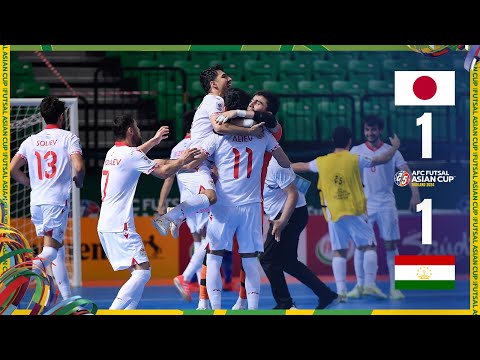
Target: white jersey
x=239, y=160
x=378, y=180
x=202, y=126
x=49, y=164
x=176, y=153
x=120, y=173
x=278, y=178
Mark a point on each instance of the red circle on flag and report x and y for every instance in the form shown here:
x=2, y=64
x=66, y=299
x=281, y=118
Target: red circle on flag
x=424, y=88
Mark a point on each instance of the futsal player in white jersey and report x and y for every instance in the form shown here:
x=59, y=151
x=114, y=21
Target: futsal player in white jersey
x=239, y=161
x=124, y=163
x=215, y=82
x=196, y=222
x=378, y=185
x=50, y=155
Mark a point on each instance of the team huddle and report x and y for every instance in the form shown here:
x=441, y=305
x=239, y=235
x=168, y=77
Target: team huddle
x=230, y=170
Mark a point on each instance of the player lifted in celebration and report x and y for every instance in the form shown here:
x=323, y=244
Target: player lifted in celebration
x=215, y=82
x=378, y=186
x=239, y=160
x=50, y=155
x=341, y=191
x=196, y=222
x=116, y=228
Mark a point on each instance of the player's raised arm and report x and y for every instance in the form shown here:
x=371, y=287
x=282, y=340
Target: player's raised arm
x=387, y=155
x=160, y=135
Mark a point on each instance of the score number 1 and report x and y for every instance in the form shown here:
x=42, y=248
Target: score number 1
x=426, y=208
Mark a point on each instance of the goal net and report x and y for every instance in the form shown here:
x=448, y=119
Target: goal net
x=25, y=120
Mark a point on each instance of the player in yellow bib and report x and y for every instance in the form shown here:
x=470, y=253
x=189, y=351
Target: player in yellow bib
x=344, y=206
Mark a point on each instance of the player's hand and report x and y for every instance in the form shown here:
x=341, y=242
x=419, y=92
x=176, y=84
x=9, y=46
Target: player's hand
x=414, y=201
x=78, y=184
x=257, y=130
x=157, y=215
x=395, y=141
x=162, y=210
x=277, y=228
x=161, y=134
x=224, y=117
x=189, y=155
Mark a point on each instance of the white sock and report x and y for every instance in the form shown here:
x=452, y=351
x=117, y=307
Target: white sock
x=189, y=206
x=214, y=280
x=370, y=266
x=358, y=263
x=252, y=281
x=132, y=290
x=133, y=304
x=195, y=264
x=339, y=267
x=391, y=267
x=49, y=254
x=60, y=274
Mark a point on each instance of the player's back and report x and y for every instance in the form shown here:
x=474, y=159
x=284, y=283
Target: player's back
x=239, y=161
x=49, y=164
x=202, y=126
x=121, y=170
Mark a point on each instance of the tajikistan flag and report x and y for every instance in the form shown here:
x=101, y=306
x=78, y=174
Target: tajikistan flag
x=413, y=272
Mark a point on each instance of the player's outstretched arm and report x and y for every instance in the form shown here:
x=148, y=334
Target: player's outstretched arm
x=387, y=155
x=16, y=172
x=170, y=167
x=301, y=167
x=281, y=157
x=79, y=168
x=160, y=135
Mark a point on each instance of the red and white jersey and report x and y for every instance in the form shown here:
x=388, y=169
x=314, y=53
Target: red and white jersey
x=121, y=170
x=202, y=126
x=49, y=164
x=239, y=161
x=378, y=180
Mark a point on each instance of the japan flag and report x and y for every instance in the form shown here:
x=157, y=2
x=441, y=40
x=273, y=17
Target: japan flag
x=433, y=88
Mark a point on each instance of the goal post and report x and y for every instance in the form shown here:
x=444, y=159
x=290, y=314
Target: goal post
x=25, y=120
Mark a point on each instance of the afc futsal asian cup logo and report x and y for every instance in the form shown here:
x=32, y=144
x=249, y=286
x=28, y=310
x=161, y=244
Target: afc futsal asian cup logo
x=422, y=178
x=402, y=178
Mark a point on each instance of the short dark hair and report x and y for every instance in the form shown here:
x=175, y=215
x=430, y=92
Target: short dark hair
x=273, y=102
x=341, y=135
x=208, y=75
x=373, y=120
x=51, y=108
x=236, y=98
x=187, y=119
x=121, y=125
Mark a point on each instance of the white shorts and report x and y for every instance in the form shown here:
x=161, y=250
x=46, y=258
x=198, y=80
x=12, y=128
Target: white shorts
x=387, y=221
x=196, y=181
x=349, y=227
x=244, y=220
x=123, y=249
x=50, y=220
x=196, y=222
